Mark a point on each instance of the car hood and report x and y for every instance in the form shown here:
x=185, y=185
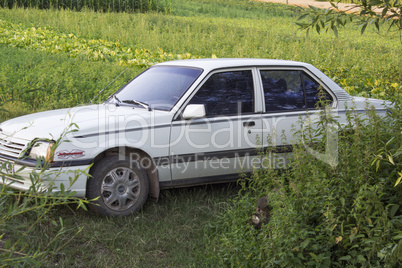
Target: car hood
x=89, y=119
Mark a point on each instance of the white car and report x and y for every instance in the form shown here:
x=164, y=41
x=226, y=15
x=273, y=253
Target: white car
x=177, y=124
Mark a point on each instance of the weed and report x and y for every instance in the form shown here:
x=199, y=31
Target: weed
x=323, y=216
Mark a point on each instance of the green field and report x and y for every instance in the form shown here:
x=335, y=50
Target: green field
x=75, y=43
x=60, y=58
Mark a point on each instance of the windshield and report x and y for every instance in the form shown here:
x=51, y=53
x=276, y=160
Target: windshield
x=158, y=87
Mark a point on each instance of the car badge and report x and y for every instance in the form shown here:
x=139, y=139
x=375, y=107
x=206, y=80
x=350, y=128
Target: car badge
x=74, y=154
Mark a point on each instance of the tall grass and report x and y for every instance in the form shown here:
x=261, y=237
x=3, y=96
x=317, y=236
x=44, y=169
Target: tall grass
x=94, y=5
x=364, y=65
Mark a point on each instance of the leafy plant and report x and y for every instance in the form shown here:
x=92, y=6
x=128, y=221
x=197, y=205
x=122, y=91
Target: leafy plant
x=52, y=42
x=348, y=215
x=389, y=14
x=24, y=213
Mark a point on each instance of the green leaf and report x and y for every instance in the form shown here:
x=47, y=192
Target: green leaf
x=317, y=27
x=394, y=209
x=384, y=12
x=363, y=28
x=345, y=258
x=377, y=165
x=302, y=25
x=315, y=257
x=391, y=160
x=303, y=16
x=335, y=30
x=392, y=24
x=399, y=179
x=361, y=259
x=376, y=2
x=398, y=152
x=377, y=24
x=304, y=244
x=390, y=141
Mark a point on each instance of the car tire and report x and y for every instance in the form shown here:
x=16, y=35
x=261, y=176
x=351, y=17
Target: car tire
x=117, y=187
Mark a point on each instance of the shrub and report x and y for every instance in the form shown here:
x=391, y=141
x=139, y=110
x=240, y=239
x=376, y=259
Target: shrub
x=348, y=215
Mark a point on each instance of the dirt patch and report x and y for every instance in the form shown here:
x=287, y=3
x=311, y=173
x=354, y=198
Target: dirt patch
x=349, y=8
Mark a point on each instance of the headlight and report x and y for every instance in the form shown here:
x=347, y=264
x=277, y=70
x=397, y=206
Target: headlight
x=42, y=149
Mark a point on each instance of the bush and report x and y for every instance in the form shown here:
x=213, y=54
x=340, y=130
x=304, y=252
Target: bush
x=26, y=214
x=348, y=215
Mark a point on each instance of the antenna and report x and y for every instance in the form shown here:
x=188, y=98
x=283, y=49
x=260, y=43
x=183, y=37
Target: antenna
x=100, y=92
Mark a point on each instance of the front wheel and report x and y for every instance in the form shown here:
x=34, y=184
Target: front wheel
x=122, y=187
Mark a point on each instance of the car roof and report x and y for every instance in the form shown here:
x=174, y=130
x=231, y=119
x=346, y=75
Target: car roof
x=211, y=64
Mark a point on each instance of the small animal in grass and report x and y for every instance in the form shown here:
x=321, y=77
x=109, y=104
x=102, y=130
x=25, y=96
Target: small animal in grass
x=262, y=214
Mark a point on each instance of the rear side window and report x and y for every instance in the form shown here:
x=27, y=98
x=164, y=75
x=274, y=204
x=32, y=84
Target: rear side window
x=283, y=90
x=227, y=93
x=290, y=90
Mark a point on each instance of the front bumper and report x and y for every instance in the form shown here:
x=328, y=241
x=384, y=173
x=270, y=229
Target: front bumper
x=19, y=177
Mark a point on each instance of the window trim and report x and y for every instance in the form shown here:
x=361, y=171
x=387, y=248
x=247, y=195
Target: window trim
x=256, y=89
x=294, y=68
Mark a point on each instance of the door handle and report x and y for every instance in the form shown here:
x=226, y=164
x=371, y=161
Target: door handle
x=248, y=124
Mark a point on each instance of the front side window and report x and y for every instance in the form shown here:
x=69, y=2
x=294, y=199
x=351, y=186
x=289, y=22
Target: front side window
x=227, y=93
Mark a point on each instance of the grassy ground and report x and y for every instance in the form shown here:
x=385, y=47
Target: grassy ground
x=171, y=233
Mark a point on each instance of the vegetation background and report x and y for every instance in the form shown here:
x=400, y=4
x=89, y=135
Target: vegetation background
x=58, y=57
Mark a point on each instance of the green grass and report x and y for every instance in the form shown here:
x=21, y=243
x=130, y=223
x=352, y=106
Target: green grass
x=171, y=233
x=39, y=81
x=167, y=234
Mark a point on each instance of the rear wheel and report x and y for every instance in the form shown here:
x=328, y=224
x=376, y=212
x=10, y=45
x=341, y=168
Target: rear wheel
x=122, y=187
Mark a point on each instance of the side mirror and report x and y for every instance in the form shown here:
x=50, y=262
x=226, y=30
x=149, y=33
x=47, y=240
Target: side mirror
x=193, y=111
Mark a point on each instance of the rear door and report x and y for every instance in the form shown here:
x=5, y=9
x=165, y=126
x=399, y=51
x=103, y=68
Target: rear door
x=290, y=95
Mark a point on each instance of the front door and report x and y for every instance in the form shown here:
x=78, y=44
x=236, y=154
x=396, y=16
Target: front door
x=222, y=144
